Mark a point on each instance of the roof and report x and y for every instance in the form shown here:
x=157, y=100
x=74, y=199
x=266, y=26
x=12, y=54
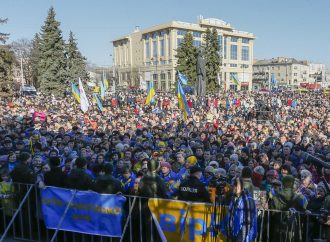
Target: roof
x=279, y=61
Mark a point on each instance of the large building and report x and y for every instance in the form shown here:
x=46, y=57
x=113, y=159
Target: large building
x=288, y=73
x=149, y=54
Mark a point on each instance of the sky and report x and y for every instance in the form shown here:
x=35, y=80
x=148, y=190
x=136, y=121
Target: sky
x=288, y=28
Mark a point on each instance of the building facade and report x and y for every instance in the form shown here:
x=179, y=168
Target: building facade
x=149, y=54
x=288, y=73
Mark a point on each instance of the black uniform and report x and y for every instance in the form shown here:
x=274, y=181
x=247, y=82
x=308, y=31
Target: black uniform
x=107, y=184
x=22, y=173
x=152, y=186
x=80, y=180
x=193, y=190
x=55, y=177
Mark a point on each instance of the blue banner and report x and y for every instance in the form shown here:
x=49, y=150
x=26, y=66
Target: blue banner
x=89, y=212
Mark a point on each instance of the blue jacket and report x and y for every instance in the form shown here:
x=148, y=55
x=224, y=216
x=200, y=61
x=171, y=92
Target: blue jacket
x=241, y=221
x=127, y=184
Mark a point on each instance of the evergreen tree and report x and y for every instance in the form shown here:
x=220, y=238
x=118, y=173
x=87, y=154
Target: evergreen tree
x=76, y=63
x=187, y=59
x=212, y=59
x=3, y=36
x=52, y=63
x=34, y=60
x=6, y=75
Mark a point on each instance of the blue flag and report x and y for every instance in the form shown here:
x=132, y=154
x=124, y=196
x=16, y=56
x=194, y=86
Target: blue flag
x=273, y=80
x=98, y=102
x=182, y=78
x=89, y=212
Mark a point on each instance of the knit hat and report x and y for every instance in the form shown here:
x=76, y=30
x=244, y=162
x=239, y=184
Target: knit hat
x=288, y=181
x=192, y=160
x=234, y=157
x=166, y=164
x=272, y=173
x=209, y=169
x=214, y=163
x=221, y=171
x=245, y=150
x=259, y=170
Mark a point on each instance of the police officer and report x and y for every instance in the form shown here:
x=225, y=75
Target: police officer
x=193, y=189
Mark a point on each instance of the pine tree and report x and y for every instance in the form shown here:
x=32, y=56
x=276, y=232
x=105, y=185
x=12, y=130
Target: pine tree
x=6, y=75
x=187, y=59
x=212, y=59
x=76, y=63
x=52, y=63
x=34, y=60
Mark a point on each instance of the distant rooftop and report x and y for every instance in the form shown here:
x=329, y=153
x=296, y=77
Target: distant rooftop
x=280, y=61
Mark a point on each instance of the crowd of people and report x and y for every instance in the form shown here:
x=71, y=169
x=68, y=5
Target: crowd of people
x=233, y=143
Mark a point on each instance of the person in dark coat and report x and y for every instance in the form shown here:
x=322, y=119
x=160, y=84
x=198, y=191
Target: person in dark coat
x=78, y=178
x=55, y=177
x=22, y=173
x=105, y=182
x=151, y=185
x=193, y=189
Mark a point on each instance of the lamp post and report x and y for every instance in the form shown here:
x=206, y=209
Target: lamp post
x=286, y=72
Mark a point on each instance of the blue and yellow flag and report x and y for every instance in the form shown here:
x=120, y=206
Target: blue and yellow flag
x=106, y=84
x=233, y=77
x=151, y=92
x=98, y=102
x=75, y=92
x=183, y=78
x=183, y=104
x=102, y=90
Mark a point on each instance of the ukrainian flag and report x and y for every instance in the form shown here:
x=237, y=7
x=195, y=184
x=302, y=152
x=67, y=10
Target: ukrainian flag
x=234, y=78
x=75, y=92
x=151, y=92
x=106, y=84
x=102, y=90
x=98, y=102
x=183, y=104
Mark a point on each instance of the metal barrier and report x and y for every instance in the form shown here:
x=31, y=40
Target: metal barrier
x=21, y=219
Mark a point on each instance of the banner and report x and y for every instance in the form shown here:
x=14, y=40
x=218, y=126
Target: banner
x=89, y=212
x=201, y=223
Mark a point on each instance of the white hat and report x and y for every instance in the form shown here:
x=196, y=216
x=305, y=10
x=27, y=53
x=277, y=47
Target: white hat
x=212, y=163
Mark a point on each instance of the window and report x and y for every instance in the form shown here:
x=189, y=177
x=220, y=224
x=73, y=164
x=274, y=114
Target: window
x=245, y=53
x=154, y=48
x=278, y=68
x=225, y=48
x=147, y=36
x=154, y=35
x=233, y=87
x=295, y=80
x=197, y=43
x=181, y=32
x=295, y=74
x=179, y=41
x=233, y=52
x=155, y=84
x=220, y=41
x=154, y=77
x=233, y=65
x=245, y=40
x=197, y=34
x=169, y=75
x=169, y=46
x=161, y=33
x=234, y=39
x=163, y=86
x=162, y=47
x=147, y=49
x=279, y=74
x=244, y=66
x=162, y=76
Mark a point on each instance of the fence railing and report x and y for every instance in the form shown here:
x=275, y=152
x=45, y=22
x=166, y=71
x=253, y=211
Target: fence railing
x=21, y=219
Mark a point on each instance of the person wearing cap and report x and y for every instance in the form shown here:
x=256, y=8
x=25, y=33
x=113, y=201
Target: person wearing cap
x=184, y=171
x=307, y=186
x=266, y=185
x=193, y=189
x=166, y=172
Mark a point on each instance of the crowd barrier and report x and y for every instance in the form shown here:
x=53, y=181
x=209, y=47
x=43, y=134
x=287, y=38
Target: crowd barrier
x=150, y=220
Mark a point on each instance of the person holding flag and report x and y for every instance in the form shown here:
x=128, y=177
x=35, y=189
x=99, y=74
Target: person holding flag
x=75, y=92
x=151, y=93
x=84, y=104
x=182, y=100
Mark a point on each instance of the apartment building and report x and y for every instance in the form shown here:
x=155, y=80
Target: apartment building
x=149, y=54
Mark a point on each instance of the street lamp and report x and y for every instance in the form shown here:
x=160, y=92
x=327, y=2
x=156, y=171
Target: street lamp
x=286, y=71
